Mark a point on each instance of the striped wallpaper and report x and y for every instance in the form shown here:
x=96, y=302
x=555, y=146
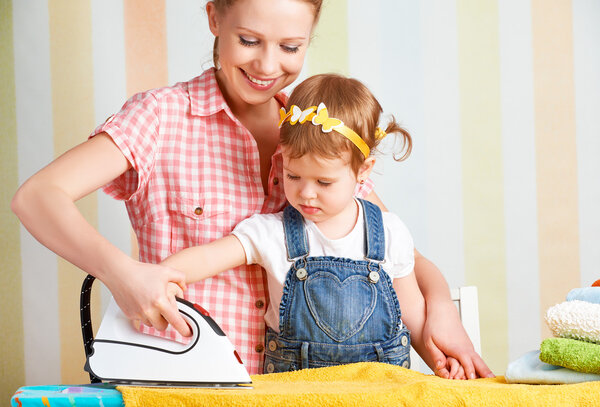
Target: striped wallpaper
x=502, y=190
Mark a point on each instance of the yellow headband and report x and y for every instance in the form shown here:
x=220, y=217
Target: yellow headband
x=318, y=116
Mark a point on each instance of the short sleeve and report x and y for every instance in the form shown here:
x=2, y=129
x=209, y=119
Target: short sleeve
x=400, y=247
x=260, y=236
x=134, y=129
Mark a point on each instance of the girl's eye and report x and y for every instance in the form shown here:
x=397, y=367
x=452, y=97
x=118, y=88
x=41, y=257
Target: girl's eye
x=290, y=49
x=324, y=183
x=292, y=177
x=248, y=42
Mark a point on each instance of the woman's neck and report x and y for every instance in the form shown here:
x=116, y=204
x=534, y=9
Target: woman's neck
x=242, y=110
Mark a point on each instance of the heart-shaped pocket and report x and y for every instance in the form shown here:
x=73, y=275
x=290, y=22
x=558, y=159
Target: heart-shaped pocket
x=339, y=308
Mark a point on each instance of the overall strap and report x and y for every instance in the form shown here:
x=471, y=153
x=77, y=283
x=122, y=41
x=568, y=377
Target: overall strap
x=295, y=235
x=374, y=233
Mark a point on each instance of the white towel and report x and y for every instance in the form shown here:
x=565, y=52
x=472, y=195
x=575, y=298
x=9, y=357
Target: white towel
x=576, y=320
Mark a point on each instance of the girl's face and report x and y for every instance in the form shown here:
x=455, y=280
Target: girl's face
x=322, y=189
x=262, y=44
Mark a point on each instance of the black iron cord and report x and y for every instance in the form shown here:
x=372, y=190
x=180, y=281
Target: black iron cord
x=86, y=320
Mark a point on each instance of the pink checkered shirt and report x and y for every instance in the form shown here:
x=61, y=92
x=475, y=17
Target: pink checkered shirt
x=196, y=174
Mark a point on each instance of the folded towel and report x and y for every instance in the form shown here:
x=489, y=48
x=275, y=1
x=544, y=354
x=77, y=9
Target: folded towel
x=369, y=384
x=570, y=353
x=575, y=319
x=530, y=369
x=589, y=294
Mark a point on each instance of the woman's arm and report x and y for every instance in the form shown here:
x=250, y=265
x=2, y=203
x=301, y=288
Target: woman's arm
x=443, y=333
x=200, y=262
x=45, y=204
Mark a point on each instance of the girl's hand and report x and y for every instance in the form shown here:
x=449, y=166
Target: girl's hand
x=174, y=290
x=445, y=336
x=146, y=292
x=456, y=371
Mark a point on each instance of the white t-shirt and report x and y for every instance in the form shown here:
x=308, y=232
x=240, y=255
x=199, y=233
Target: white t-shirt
x=263, y=239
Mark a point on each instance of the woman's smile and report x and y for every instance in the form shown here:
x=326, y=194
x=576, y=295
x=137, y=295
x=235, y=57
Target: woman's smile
x=260, y=84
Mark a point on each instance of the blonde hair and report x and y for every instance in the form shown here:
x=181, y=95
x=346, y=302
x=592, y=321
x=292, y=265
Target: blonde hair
x=222, y=5
x=350, y=101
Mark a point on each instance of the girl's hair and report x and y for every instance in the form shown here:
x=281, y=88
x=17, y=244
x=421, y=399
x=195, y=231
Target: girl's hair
x=351, y=102
x=222, y=5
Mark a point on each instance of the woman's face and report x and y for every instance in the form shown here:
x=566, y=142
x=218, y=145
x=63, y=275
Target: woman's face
x=262, y=44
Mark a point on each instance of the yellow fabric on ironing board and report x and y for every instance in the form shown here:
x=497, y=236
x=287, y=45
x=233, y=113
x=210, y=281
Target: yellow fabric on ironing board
x=368, y=384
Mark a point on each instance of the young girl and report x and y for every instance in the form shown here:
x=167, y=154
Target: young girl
x=340, y=272
x=191, y=161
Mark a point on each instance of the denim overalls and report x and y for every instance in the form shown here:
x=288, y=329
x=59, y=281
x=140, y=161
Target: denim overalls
x=336, y=310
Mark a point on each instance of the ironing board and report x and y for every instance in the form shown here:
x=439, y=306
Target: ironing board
x=358, y=384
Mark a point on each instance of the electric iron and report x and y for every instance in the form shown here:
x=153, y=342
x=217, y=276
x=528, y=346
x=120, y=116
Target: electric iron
x=121, y=355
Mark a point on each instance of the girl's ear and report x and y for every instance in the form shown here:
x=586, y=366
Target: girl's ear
x=365, y=169
x=213, y=21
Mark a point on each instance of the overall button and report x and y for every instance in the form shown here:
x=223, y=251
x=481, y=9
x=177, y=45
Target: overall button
x=406, y=364
x=272, y=346
x=270, y=368
x=301, y=274
x=259, y=304
x=259, y=348
x=373, y=277
x=404, y=341
x=198, y=211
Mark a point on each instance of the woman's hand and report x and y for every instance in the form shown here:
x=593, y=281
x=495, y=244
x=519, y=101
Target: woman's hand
x=146, y=292
x=445, y=336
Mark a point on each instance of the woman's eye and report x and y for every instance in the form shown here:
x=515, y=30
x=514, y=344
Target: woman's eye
x=248, y=42
x=290, y=49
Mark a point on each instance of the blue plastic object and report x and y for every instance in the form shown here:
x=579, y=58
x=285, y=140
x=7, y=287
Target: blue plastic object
x=85, y=395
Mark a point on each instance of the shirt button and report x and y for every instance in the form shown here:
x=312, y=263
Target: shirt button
x=259, y=304
x=259, y=348
x=198, y=211
x=275, y=181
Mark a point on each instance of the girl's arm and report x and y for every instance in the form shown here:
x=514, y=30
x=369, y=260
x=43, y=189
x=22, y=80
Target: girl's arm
x=412, y=306
x=45, y=204
x=443, y=332
x=200, y=262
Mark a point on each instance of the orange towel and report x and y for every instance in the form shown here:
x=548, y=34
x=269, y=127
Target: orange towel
x=368, y=384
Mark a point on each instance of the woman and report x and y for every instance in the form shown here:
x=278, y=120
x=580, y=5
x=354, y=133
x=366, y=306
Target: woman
x=193, y=160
